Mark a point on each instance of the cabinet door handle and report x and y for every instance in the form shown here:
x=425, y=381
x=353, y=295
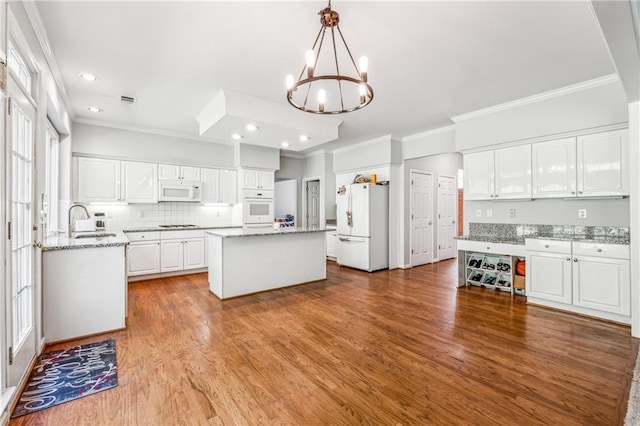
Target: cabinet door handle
x=575, y=259
x=496, y=195
x=568, y=259
x=579, y=192
x=488, y=248
x=491, y=195
x=546, y=246
x=573, y=192
x=599, y=250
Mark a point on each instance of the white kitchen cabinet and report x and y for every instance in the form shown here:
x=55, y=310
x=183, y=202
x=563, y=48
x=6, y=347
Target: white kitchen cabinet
x=603, y=164
x=219, y=186
x=143, y=258
x=549, y=276
x=111, y=181
x=139, y=182
x=554, y=168
x=593, y=165
x=586, y=277
x=513, y=172
x=479, y=180
x=601, y=277
x=331, y=244
x=194, y=253
x=98, y=180
x=258, y=179
x=174, y=172
x=498, y=174
x=171, y=255
x=549, y=270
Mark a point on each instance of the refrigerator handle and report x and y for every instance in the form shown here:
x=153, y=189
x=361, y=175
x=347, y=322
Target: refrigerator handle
x=349, y=211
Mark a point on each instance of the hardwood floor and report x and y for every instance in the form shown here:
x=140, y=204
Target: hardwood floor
x=392, y=347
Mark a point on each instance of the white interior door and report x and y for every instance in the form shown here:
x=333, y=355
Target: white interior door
x=421, y=218
x=20, y=169
x=447, y=211
x=313, y=203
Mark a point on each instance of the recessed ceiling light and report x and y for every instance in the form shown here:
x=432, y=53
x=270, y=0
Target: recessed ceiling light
x=304, y=138
x=87, y=76
x=95, y=109
x=285, y=144
x=251, y=127
x=236, y=136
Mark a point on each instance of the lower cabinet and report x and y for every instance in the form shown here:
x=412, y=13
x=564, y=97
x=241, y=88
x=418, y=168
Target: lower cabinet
x=331, y=244
x=165, y=251
x=589, y=278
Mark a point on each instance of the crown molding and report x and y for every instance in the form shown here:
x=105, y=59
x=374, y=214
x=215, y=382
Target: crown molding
x=151, y=131
x=589, y=84
x=449, y=128
x=41, y=35
x=385, y=138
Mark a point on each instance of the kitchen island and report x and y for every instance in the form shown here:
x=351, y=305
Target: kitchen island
x=84, y=285
x=245, y=261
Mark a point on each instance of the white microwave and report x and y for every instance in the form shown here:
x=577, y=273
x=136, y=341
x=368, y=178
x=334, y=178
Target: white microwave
x=179, y=190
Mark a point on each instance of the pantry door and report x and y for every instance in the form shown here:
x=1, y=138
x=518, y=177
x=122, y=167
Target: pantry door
x=421, y=206
x=447, y=203
x=20, y=190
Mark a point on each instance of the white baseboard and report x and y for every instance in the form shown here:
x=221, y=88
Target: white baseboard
x=408, y=266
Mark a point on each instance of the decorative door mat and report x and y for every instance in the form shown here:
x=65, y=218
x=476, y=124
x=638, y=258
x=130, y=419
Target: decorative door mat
x=68, y=374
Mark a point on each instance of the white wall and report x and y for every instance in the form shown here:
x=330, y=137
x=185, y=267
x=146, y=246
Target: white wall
x=126, y=144
x=292, y=168
x=285, y=199
x=258, y=157
x=379, y=151
x=585, y=109
x=433, y=142
x=442, y=164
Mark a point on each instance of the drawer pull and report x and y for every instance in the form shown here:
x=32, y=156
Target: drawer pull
x=568, y=258
x=546, y=246
x=575, y=259
x=599, y=250
x=488, y=248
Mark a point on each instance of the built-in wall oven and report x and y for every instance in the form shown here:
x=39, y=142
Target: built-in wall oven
x=257, y=208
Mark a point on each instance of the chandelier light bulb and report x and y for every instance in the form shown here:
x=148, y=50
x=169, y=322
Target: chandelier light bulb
x=289, y=81
x=364, y=67
x=322, y=98
x=310, y=59
x=363, y=94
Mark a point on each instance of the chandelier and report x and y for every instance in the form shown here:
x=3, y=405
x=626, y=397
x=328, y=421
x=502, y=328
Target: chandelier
x=347, y=93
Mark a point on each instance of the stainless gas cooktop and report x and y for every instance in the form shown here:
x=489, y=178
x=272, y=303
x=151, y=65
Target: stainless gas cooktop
x=177, y=226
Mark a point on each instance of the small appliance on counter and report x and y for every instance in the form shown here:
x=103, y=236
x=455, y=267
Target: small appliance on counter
x=101, y=221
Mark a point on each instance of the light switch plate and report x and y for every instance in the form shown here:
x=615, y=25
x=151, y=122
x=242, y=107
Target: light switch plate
x=582, y=213
x=489, y=212
x=478, y=212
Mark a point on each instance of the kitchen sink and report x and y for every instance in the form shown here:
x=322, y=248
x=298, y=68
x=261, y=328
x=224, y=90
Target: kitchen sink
x=95, y=235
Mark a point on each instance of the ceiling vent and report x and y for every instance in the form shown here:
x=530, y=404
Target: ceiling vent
x=129, y=100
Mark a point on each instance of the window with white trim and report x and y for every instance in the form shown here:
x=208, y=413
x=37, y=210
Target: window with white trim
x=50, y=202
x=19, y=67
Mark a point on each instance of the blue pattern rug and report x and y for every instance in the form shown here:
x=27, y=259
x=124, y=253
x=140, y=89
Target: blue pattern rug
x=65, y=375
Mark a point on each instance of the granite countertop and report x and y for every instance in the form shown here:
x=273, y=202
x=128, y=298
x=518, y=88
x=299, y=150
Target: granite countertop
x=599, y=239
x=491, y=239
x=66, y=243
x=177, y=228
x=251, y=232
x=603, y=239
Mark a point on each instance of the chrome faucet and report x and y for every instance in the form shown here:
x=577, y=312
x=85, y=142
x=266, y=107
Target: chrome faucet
x=69, y=217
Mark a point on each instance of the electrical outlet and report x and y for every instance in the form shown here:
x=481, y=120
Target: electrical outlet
x=478, y=212
x=512, y=213
x=582, y=213
x=489, y=212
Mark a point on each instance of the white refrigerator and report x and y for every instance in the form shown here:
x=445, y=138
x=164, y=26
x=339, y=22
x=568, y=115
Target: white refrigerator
x=363, y=227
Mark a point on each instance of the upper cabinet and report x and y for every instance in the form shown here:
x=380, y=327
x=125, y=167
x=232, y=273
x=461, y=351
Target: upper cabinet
x=258, y=179
x=109, y=181
x=139, y=182
x=219, y=186
x=173, y=172
x=587, y=166
x=498, y=174
x=98, y=180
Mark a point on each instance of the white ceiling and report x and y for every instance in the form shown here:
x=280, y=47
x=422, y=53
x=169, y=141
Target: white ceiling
x=428, y=61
